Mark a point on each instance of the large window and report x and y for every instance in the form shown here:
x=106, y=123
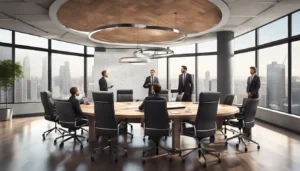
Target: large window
x=296, y=23
x=209, y=46
x=296, y=78
x=67, y=71
x=207, y=73
x=184, y=49
x=175, y=70
x=35, y=80
x=242, y=63
x=30, y=40
x=69, y=47
x=6, y=54
x=245, y=41
x=90, y=50
x=273, y=72
x=92, y=82
x=162, y=72
x=274, y=31
x=5, y=36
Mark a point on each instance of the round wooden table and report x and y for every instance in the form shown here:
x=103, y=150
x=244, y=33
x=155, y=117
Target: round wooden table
x=129, y=110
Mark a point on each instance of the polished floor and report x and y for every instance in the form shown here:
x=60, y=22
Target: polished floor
x=23, y=149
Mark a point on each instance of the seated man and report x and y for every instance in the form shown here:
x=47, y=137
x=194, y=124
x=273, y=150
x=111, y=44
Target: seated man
x=75, y=102
x=156, y=90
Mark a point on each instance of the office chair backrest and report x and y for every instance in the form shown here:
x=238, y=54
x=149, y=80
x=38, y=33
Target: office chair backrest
x=228, y=100
x=106, y=124
x=207, y=114
x=179, y=97
x=249, y=112
x=48, y=103
x=156, y=118
x=124, y=95
x=66, y=114
x=165, y=94
x=103, y=96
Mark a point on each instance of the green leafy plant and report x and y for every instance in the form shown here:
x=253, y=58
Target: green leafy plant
x=9, y=73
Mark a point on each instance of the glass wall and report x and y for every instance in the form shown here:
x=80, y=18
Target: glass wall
x=90, y=50
x=175, y=70
x=92, y=82
x=35, y=70
x=35, y=41
x=6, y=54
x=162, y=72
x=69, y=47
x=5, y=36
x=208, y=46
x=67, y=72
x=184, y=49
x=245, y=41
x=273, y=72
x=296, y=23
x=241, y=65
x=207, y=73
x=274, y=31
x=296, y=78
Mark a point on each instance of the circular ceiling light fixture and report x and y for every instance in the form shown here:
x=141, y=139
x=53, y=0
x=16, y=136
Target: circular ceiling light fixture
x=182, y=36
x=154, y=53
x=134, y=60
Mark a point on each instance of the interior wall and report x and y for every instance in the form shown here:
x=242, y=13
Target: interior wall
x=25, y=108
x=123, y=76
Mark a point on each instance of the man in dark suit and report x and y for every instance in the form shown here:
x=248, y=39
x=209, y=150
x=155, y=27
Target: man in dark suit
x=103, y=83
x=185, y=85
x=150, y=81
x=253, y=84
x=75, y=102
x=156, y=89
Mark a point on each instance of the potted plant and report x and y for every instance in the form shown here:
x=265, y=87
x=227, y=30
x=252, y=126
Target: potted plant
x=9, y=73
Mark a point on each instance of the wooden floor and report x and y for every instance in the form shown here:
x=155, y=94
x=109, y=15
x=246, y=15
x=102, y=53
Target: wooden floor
x=22, y=148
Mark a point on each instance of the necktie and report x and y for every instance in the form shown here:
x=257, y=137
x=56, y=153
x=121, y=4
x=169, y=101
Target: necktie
x=151, y=80
x=183, y=79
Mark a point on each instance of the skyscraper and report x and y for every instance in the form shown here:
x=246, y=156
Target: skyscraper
x=275, y=85
x=26, y=79
x=65, y=79
x=207, y=81
x=44, y=83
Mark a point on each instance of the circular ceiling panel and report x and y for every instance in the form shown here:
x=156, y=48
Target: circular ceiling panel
x=188, y=16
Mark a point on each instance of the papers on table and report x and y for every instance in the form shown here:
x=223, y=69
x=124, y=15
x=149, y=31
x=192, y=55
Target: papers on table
x=131, y=107
x=175, y=112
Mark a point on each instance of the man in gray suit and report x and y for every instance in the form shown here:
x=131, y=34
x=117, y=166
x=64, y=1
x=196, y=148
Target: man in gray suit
x=150, y=81
x=185, y=85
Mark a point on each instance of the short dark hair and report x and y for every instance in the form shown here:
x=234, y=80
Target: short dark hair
x=254, y=68
x=103, y=72
x=156, y=88
x=184, y=67
x=73, y=90
x=152, y=70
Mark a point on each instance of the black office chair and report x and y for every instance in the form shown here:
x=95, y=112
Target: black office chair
x=245, y=120
x=156, y=124
x=165, y=94
x=125, y=96
x=204, y=125
x=68, y=120
x=50, y=112
x=228, y=100
x=106, y=124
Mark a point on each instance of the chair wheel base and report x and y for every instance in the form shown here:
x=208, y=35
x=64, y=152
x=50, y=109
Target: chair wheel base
x=219, y=160
x=204, y=165
x=81, y=147
x=258, y=147
x=54, y=142
x=226, y=144
x=44, y=137
x=143, y=161
x=92, y=159
x=61, y=145
x=237, y=146
x=246, y=150
x=183, y=160
x=170, y=159
x=116, y=160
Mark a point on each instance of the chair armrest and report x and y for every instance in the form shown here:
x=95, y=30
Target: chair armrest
x=239, y=116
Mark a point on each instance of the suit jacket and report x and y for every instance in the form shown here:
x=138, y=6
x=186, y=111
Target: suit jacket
x=103, y=84
x=147, y=81
x=153, y=97
x=76, y=106
x=188, y=86
x=253, y=86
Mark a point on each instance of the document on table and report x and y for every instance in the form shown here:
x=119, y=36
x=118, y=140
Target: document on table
x=131, y=107
x=175, y=112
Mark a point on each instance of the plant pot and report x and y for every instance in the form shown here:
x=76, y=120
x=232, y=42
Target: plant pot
x=6, y=114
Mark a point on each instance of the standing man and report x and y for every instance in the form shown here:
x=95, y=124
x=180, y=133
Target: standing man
x=150, y=81
x=103, y=83
x=185, y=85
x=253, y=84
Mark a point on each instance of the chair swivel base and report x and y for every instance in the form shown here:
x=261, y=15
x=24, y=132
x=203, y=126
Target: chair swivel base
x=224, y=131
x=70, y=136
x=56, y=129
x=112, y=149
x=157, y=146
x=201, y=151
x=242, y=138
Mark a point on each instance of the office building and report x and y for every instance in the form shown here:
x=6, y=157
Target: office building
x=194, y=47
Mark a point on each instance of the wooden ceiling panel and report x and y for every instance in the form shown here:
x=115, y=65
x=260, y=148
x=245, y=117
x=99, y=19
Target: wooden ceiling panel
x=193, y=16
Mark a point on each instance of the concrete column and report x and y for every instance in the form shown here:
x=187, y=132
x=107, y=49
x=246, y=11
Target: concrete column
x=225, y=63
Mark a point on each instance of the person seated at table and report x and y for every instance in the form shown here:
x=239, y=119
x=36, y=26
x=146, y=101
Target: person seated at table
x=156, y=96
x=75, y=102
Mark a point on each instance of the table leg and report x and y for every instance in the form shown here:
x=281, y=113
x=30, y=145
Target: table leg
x=176, y=134
x=92, y=135
x=219, y=124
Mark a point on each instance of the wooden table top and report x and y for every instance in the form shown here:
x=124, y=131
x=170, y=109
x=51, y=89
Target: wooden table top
x=130, y=110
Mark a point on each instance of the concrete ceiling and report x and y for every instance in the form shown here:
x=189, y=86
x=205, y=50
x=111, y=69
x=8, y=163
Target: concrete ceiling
x=245, y=16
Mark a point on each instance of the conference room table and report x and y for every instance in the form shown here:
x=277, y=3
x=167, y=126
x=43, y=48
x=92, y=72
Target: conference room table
x=129, y=110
